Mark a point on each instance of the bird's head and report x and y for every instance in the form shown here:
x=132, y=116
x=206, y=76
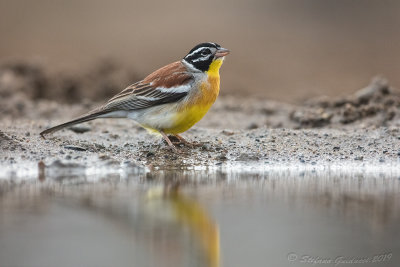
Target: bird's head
x=206, y=57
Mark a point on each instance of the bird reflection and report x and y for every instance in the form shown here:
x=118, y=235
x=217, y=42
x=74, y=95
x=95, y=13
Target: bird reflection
x=166, y=225
x=173, y=206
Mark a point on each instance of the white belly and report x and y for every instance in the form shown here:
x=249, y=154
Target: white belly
x=157, y=118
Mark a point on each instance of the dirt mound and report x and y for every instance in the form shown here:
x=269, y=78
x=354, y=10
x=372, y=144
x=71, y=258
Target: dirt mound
x=378, y=104
x=37, y=82
x=21, y=82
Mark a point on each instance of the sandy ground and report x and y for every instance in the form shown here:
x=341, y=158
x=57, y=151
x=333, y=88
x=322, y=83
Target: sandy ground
x=362, y=129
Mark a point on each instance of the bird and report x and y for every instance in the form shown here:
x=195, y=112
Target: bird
x=170, y=100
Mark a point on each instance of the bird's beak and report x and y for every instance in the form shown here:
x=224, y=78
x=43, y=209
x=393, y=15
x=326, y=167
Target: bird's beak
x=221, y=52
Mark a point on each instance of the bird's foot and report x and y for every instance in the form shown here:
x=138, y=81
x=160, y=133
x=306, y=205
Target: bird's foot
x=170, y=144
x=183, y=141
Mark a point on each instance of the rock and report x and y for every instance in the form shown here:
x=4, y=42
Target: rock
x=252, y=126
x=227, y=133
x=80, y=129
x=247, y=157
x=311, y=117
x=221, y=157
x=76, y=148
x=377, y=85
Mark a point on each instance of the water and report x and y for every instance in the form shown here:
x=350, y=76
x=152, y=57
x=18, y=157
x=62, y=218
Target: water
x=230, y=215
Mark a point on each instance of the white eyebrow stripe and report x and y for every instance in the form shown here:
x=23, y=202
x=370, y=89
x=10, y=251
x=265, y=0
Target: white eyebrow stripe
x=195, y=51
x=201, y=58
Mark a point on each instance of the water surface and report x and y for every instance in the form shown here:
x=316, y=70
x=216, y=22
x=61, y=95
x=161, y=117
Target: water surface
x=229, y=215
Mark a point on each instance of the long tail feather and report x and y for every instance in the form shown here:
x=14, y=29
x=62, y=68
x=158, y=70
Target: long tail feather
x=84, y=118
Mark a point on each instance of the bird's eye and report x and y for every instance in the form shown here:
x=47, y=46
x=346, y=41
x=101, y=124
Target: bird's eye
x=205, y=52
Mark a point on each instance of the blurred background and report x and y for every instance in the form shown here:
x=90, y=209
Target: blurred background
x=281, y=49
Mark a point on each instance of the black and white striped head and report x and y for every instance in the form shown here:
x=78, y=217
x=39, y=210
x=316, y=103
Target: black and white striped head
x=202, y=55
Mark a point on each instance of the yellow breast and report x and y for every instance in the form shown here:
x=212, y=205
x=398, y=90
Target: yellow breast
x=195, y=109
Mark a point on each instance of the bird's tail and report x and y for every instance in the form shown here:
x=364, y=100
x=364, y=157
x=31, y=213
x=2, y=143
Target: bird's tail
x=84, y=118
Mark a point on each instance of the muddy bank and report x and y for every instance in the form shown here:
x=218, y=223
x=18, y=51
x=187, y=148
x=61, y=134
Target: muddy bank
x=362, y=127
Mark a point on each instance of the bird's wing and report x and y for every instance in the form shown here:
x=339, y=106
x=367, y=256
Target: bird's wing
x=166, y=85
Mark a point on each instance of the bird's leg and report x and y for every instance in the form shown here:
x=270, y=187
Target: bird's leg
x=168, y=141
x=184, y=141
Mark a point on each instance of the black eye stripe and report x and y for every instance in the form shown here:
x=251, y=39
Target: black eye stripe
x=206, y=52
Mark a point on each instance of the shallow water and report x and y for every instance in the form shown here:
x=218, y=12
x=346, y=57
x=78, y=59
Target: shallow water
x=229, y=215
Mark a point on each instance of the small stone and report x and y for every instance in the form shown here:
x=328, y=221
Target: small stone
x=252, y=126
x=114, y=136
x=221, y=157
x=104, y=157
x=75, y=148
x=206, y=147
x=150, y=153
x=80, y=129
x=227, y=133
x=246, y=157
x=99, y=147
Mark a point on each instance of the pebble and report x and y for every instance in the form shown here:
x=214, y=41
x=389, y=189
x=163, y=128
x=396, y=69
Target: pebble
x=80, y=129
x=252, y=126
x=104, y=157
x=227, y=133
x=75, y=148
x=150, y=153
x=246, y=157
x=221, y=157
